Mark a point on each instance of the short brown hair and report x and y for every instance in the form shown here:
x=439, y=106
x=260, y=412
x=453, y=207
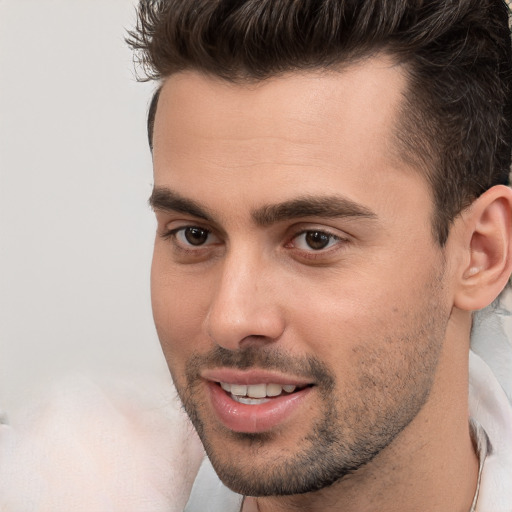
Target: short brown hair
x=457, y=116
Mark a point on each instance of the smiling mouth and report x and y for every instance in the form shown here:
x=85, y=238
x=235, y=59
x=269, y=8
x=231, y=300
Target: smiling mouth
x=256, y=394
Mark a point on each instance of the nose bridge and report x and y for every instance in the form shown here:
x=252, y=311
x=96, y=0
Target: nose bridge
x=244, y=305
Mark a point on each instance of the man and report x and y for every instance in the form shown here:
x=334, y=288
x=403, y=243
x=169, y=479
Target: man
x=331, y=200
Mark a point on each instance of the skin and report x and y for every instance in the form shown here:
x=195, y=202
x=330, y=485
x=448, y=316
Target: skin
x=375, y=308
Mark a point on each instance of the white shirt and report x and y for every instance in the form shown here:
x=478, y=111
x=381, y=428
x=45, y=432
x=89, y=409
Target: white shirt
x=490, y=400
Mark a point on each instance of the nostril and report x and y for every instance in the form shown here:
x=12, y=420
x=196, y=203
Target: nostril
x=255, y=340
x=249, y=321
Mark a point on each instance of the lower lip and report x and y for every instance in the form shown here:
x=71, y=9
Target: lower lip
x=252, y=419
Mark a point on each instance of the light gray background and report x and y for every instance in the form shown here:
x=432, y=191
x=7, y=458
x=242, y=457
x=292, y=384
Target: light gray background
x=75, y=175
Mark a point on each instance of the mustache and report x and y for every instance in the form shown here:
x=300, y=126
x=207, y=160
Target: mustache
x=307, y=367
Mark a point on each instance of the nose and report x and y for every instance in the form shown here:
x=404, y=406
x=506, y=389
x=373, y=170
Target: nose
x=245, y=308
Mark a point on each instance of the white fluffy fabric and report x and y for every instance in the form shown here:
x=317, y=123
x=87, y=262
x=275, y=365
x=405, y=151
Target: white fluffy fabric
x=491, y=338
x=89, y=447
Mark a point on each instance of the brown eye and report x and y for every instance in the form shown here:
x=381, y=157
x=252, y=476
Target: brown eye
x=195, y=235
x=317, y=240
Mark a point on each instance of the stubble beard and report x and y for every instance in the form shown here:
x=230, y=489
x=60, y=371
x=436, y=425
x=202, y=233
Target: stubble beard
x=350, y=430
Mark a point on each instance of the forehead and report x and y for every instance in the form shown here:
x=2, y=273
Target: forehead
x=293, y=134
x=369, y=88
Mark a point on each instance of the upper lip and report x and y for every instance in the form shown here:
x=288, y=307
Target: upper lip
x=253, y=376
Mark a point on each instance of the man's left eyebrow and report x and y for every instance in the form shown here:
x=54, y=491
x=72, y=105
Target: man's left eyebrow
x=312, y=206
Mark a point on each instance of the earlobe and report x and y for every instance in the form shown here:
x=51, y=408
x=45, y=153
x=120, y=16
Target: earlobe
x=488, y=249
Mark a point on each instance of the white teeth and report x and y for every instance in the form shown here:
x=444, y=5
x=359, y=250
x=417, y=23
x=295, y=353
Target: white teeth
x=256, y=391
x=249, y=401
x=274, y=389
x=238, y=389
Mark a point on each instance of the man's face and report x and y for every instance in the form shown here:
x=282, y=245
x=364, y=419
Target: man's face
x=296, y=285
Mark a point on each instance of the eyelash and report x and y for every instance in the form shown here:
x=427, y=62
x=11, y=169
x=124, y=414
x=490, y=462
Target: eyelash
x=312, y=254
x=324, y=232
x=333, y=245
x=173, y=235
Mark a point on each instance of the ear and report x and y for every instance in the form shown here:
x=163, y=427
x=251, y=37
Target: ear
x=487, y=249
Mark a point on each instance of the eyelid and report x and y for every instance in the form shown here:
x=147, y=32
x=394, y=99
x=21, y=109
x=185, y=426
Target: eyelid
x=332, y=237
x=341, y=239
x=168, y=225
x=172, y=233
x=308, y=227
x=200, y=228
x=172, y=220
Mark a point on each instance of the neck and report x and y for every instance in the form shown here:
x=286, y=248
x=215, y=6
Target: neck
x=431, y=465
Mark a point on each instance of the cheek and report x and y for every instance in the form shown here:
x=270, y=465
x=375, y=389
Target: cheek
x=179, y=308
x=360, y=310
x=383, y=352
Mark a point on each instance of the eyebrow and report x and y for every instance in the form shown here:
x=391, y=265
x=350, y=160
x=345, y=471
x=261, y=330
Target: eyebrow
x=333, y=206
x=166, y=200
